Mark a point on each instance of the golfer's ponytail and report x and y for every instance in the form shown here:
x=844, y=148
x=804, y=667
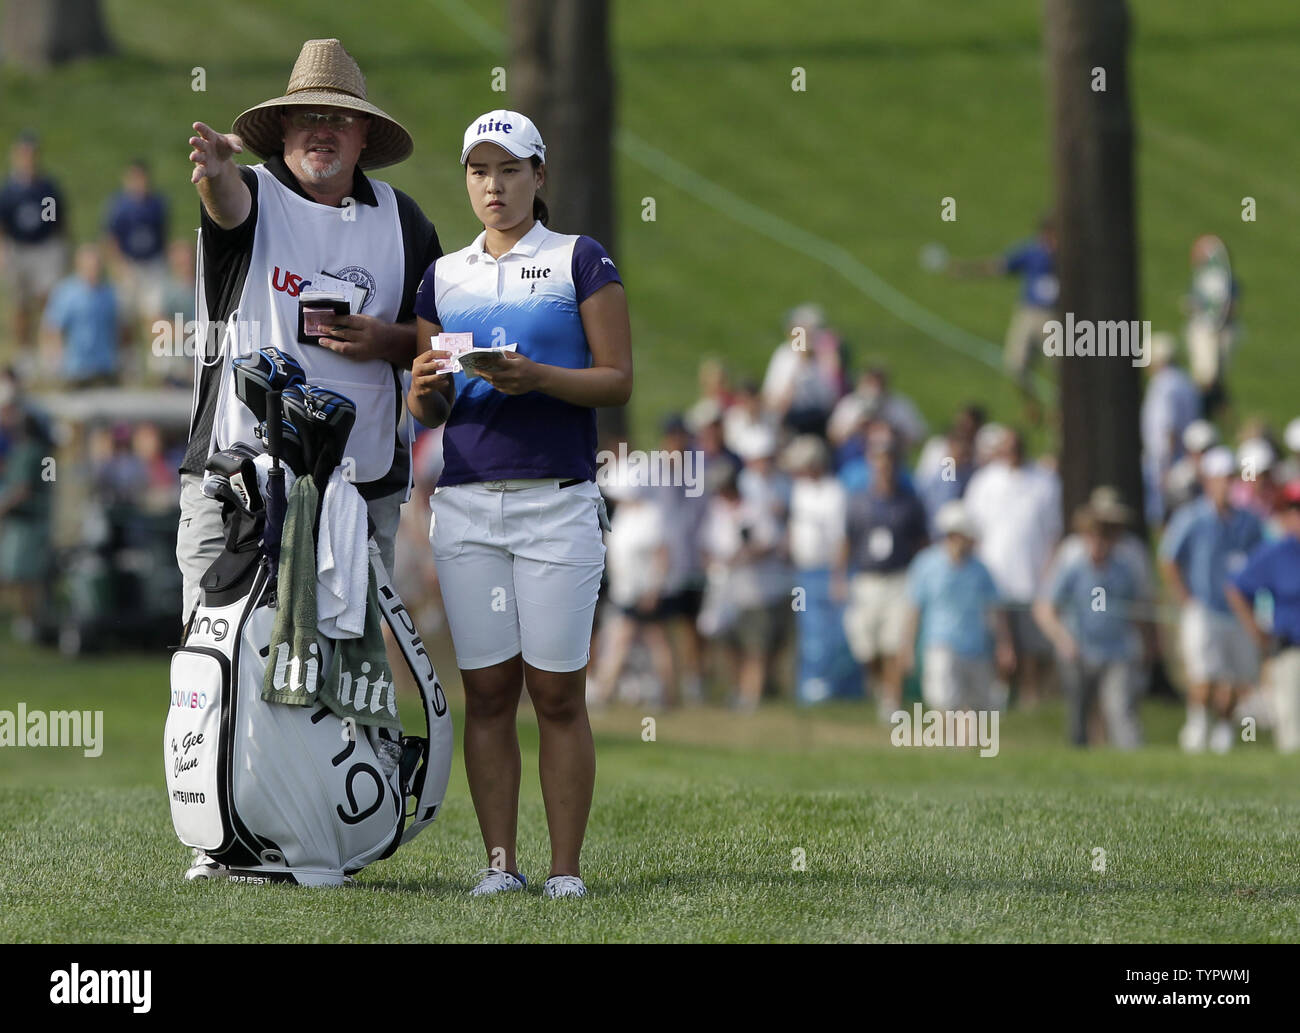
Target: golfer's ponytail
x=540, y=212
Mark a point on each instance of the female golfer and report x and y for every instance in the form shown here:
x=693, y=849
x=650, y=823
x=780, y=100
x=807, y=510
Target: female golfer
x=516, y=525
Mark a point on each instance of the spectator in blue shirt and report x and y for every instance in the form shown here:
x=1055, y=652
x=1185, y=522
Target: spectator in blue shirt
x=136, y=226
x=1207, y=540
x=83, y=312
x=1087, y=611
x=1274, y=567
x=1035, y=263
x=886, y=528
x=32, y=242
x=952, y=600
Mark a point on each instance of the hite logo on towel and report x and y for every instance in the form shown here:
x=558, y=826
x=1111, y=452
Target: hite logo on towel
x=353, y=689
x=292, y=675
x=120, y=986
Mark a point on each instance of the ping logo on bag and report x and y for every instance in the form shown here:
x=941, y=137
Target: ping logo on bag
x=214, y=630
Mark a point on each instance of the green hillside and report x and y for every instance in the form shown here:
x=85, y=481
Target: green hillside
x=765, y=196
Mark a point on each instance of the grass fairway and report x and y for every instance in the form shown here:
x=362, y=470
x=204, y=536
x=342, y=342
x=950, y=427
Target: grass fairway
x=693, y=837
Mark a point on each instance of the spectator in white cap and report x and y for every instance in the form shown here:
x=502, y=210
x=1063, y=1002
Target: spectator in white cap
x=1170, y=402
x=887, y=527
x=1206, y=542
x=1288, y=469
x=952, y=619
x=1016, y=506
x=874, y=399
x=1255, y=488
x=805, y=377
x=761, y=483
x=825, y=667
x=1183, y=481
x=745, y=411
x=637, y=562
x=717, y=461
x=1090, y=611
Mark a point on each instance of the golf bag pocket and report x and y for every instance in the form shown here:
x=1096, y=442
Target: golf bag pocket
x=192, y=739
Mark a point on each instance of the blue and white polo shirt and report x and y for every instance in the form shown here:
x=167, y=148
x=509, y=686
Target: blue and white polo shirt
x=530, y=297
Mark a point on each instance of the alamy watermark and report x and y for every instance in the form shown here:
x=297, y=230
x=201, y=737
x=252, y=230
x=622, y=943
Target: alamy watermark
x=923, y=727
x=81, y=729
x=1107, y=338
x=658, y=468
x=179, y=337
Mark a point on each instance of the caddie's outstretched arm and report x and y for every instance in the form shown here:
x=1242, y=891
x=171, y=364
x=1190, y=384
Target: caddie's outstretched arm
x=222, y=190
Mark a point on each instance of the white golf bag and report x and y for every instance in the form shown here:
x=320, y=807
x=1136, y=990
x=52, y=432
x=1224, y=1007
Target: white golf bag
x=281, y=793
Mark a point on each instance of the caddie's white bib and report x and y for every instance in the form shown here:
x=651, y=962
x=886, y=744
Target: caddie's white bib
x=294, y=242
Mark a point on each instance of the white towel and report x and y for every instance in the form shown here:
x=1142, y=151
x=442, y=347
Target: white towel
x=342, y=560
x=263, y=464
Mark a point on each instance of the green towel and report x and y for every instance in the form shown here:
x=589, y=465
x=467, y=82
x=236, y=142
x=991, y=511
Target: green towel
x=360, y=682
x=293, y=672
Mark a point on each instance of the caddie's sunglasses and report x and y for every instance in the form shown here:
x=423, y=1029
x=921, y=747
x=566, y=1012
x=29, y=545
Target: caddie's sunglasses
x=317, y=119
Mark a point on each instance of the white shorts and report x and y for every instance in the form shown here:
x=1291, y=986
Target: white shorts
x=950, y=681
x=141, y=289
x=873, y=620
x=1284, y=674
x=1216, y=648
x=519, y=571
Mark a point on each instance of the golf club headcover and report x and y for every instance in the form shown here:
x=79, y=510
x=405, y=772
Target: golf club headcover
x=290, y=446
x=234, y=477
x=311, y=431
x=333, y=415
x=262, y=372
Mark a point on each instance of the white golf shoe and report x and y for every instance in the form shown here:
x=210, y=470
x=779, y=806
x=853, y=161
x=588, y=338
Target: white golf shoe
x=495, y=880
x=1221, y=737
x=205, y=868
x=564, y=886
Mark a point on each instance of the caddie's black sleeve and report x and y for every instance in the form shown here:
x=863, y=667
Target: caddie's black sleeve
x=226, y=253
x=421, y=247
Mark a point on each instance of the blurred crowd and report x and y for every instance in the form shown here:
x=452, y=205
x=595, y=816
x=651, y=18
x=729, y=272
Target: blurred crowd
x=104, y=314
x=76, y=315
x=811, y=536
x=833, y=546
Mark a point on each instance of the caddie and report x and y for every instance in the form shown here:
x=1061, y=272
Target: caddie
x=275, y=239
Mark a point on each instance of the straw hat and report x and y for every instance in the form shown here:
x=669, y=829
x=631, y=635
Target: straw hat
x=325, y=75
x=1107, y=506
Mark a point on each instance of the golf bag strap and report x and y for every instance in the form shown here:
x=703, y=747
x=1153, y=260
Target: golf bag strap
x=429, y=781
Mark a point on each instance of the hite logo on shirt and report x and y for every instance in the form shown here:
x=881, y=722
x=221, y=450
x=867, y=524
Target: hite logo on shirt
x=121, y=986
x=535, y=273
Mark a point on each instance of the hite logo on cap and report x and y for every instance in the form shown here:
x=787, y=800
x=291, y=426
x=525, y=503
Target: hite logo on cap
x=509, y=130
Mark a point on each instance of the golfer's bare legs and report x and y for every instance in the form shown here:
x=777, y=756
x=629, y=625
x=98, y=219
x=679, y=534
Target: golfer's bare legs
x=567, y=763
x=492, y=762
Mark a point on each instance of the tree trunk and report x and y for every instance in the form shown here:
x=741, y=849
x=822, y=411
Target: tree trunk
x=39, y=33
x=1097, y=242
x=562, y=78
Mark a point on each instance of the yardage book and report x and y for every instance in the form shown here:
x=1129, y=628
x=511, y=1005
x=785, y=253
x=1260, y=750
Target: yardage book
x=465, y=358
